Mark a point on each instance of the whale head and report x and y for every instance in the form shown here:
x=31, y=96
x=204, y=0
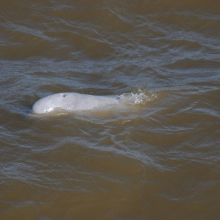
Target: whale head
x=55, y=103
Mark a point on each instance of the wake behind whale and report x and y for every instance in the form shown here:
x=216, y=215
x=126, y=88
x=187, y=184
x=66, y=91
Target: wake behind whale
x=75, y=102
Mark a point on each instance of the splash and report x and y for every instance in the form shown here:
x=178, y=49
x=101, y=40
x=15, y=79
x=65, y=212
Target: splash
x=139, y=98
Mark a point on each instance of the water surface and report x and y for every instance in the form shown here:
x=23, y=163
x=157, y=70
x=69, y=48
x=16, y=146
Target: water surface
x=160, y=160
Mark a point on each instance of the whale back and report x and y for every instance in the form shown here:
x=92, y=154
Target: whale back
x=70, y=102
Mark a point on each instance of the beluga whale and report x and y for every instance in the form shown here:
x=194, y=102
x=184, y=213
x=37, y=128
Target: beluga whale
x=71, y=102
x=74, y=102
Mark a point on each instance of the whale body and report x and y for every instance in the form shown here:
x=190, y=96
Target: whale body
x=73, y=102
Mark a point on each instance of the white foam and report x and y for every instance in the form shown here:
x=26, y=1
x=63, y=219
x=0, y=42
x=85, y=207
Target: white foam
x=139, y=98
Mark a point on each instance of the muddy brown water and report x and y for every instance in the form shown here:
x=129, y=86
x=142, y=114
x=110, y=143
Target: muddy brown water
x=158, y=160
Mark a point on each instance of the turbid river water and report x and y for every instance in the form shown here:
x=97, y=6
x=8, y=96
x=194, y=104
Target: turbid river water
x=156, y=159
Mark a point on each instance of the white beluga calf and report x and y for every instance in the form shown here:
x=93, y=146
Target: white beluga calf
x=73, y=102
